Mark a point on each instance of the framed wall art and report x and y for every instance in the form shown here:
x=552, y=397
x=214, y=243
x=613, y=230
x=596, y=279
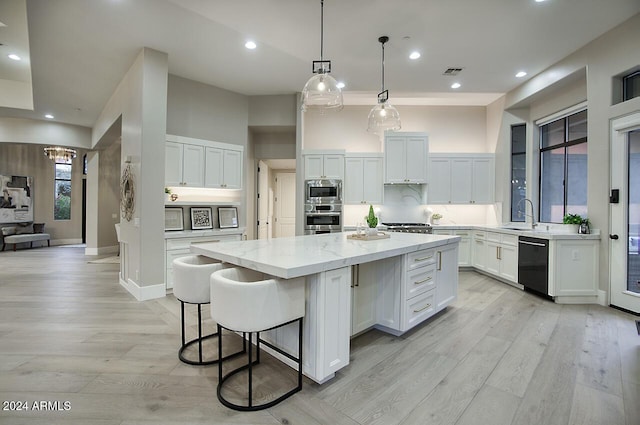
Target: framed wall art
x=228, y=217
x=173, y=219
x=201, y=218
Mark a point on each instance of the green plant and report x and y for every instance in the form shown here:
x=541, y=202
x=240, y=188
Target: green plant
x=372, y=220
x=167, y=190
x=572, y=219
x=436, y=216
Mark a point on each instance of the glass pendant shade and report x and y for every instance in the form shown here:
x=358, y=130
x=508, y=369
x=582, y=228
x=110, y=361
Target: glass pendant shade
x=383, y=117
x=321, y=93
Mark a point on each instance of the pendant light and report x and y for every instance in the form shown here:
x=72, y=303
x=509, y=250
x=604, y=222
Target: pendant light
x=321, y=93
x=383, y=117
x=59, y=154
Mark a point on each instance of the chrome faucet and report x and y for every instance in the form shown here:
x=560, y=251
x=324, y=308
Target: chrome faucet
x=533, y=217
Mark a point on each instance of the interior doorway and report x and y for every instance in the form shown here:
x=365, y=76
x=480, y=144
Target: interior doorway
x=276, y=198
x=624, y=235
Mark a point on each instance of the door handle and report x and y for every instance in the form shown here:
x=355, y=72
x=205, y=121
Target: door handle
x=614, y=237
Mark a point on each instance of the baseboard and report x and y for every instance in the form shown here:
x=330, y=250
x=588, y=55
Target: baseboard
x=144, y=293
x=580, y=299
x=65, y=242
x=602, y=298
x=101, y=250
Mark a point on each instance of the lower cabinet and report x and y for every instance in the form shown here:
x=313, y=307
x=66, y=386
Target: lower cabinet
x=363, y=297
x=180, y=247
x=502, y=255
x=464, y=247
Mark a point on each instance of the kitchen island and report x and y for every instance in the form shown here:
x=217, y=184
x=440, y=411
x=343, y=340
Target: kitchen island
x=392, y=284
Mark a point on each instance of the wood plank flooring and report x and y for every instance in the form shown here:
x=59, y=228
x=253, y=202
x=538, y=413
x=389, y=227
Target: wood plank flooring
x=498, y=356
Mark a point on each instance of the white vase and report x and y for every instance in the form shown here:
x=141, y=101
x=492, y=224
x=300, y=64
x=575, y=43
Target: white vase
x=372, y=231
x=435, y=221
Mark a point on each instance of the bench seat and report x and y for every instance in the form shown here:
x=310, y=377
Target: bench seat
x=25, y=237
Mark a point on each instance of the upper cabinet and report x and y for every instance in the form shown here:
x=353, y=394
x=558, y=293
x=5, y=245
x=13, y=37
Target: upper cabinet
x=184, y=165
x=405, y=158
x=202, y=163
x=320, y=165
x=461, y=179
x=363, y=179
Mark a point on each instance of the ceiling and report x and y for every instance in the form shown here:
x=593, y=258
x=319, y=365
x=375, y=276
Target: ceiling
x=80, y=49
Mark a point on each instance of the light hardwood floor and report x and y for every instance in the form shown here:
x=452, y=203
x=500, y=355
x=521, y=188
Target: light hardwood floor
x=498, y=356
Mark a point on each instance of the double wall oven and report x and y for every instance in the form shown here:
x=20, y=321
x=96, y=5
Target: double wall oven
x=323, y=206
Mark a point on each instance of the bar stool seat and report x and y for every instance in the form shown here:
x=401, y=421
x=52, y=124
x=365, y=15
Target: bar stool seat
x=191, y=285
x=247, y=301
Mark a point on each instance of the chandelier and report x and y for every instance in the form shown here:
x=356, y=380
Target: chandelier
x=60, y=154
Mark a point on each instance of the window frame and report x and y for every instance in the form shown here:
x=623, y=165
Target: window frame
x=514, y=218
x=55, y=187
x=635, y=76
x=564, y=145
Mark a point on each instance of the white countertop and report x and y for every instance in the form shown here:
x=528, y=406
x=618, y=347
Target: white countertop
x=304, y=255
x=538, y=232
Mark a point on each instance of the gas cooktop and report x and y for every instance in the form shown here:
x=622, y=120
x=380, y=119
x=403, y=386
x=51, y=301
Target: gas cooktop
x=409, y=227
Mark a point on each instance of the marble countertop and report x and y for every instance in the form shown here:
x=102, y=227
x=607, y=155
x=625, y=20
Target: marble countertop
x=304, y=255
x=539, y=232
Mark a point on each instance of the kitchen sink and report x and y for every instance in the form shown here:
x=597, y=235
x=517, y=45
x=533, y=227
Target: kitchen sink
x=516, y=228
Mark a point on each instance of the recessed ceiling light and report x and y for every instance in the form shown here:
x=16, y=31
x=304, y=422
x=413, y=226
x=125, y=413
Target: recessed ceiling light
x=250, y=45
x=414, y=55
x=539, y=1
x=521, y=74
x=49, y=116
x=455, y=85
x=14, y=57
x=340, y=85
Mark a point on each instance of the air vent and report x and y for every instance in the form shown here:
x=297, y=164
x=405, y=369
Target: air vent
x=452, y=72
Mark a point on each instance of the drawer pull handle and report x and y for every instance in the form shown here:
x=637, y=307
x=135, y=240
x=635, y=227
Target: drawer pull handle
x=424, y=258
x=420, y=282
x=422, y=309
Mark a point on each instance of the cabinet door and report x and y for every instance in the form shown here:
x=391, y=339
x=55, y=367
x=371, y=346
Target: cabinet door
x=395, y=155
x=353, y=189
x=173, y=164
x=372, y=180
x=464, y=248
x=193, y=165
x=364, y=290
x=479, y=254
x=333, y=166
x=232, y=169
x=313, y=167
x=416, y=159
x=492, y=259
x=214, y=167
x=439, y=181
x=483, y=181
x=446, y=277
x=461, y=180
x=509, y=262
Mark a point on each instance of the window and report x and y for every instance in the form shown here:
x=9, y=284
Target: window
x=631, y=86
x=518, y=171
x=62, y=192
x=563, y=168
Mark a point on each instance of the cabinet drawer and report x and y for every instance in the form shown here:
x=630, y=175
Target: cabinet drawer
x=419, y=308
x=462, y=233
x=420, y=280
x=494, y=237
x=421, y=258
x=479, y=234
x=510, y=240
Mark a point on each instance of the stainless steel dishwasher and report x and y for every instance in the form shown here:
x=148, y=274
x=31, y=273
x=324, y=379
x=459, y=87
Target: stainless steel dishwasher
x=533, y=264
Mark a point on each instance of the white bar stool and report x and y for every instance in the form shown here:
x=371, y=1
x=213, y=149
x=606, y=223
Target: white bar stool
x=247, y=301
x=191, y=285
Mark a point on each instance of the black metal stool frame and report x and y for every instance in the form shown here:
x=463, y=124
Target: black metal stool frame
x=199, y=340
x=222, y=379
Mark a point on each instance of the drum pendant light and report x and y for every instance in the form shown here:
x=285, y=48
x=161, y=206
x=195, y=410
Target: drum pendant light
x=383, y=117
x=321, y=93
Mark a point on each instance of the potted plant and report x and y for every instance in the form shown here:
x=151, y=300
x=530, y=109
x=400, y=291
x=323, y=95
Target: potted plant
x=435, y=218
x=372, y=221
x=167, y=194
x=573, y=220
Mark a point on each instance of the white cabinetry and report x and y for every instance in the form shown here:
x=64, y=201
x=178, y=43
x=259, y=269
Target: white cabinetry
x=479, y=250
x=573, y=270
x=202, y=163
x=446, y=276
x=323, y=166
x=461, y=179
x=363, y=179
x=464, y=247
x=223, y=168
x=180, y=247
x=184, y=164
x=363, y=297
x=502, y=256
x=405, y=158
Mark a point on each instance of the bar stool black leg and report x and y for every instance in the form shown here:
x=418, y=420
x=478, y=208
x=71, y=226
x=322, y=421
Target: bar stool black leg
x=199, y=333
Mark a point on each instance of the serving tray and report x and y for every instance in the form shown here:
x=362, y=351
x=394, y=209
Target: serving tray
x=363, y=237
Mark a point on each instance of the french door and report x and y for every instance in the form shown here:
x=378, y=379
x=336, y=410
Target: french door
x=624, y=232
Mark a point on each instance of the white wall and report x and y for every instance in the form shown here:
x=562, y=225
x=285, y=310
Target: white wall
x=611, y=54
x=22, y=130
